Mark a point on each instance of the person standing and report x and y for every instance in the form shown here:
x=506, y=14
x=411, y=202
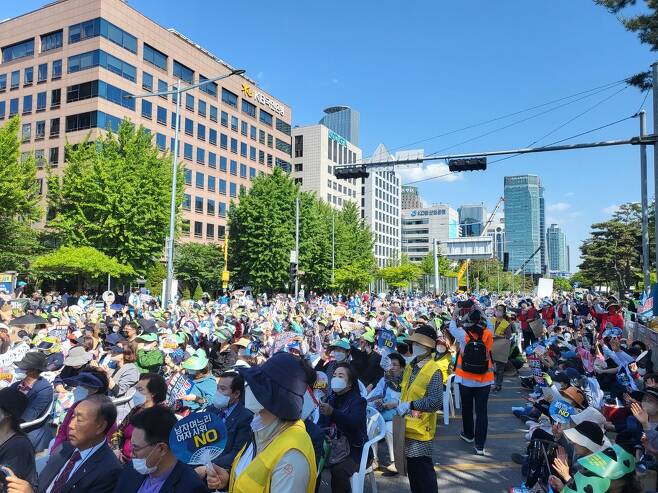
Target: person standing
x=421, y=397
x=475, y=375
x=501, y=330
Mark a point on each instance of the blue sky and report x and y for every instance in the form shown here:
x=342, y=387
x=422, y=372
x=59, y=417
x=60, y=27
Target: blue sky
x=417, y=69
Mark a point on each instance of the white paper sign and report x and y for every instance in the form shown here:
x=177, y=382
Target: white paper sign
x=544, y=287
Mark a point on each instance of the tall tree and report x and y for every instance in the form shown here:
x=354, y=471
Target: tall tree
x=115, y=195
x=19, y=199
x=198, y=264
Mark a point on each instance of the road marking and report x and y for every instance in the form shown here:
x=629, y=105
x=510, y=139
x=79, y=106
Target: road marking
x=474, y=466
x=490, y=415
x=494, y=436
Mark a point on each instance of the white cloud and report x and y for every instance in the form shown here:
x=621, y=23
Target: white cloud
x=611, y=209
x=558, y=207
x=425, y=172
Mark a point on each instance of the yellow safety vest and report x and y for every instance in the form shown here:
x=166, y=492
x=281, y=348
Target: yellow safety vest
x=444, y=364
x=257, y=476
x=419, y=425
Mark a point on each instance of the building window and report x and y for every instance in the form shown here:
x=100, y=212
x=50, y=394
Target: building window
x=185, y=227
x=22, y=49
x=222, y=208
x=224, y=119
x=222, y=164
x=100, y=58
x=183, y=73
x=26, y=133
x=222, y=187
x=282, y=126
x=55, y=98
x=265, y=118
x=234, y=146
x=41, y=101
x=212, y=161
x=101, y=27
x=198, y=204
x=54, y=128
x=147, y=81
x=3, y=109
x=261, y=136
x=300, y=167
x=28, y=76
x=243, y=170
x=189, y=126
x=249, y=108
x=163, y=87
x=155, y=57
x=52, y=41
x=187, y=173
x=252, y=132
x=201, y=131
x=27, y=104
x=212, y=136
x=202, y=108
x=213, y=113
x=199, y=179
x=211, y=183
x=252, y=173
x=261, y=157
x=3, y=82
x=234, y=123
x=229, y=98
x=80, y=92
x=82, y=121
x=53, y=155
x=299, y=146
x=189, y=102
x=252, y=153
x=223, y=141
x=187, y=201
x=200, y=156
x=244, y=128
x=243, y=149
x=269, y=160
x=15, y=79
x=161, y=141
x=284, y=165
x=233, y=190
x=209, y=88
x=210, y=228
x=283, y=147
x=147, y=109
x=210, y=207
x=198, y=229
x=187, y=151
x=233, y=169
x=269, y=140
x=13, y=107
x=161, y=115
x=42, y=73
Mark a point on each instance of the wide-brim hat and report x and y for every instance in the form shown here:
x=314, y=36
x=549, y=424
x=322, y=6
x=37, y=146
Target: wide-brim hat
x=84, y=379
x=279, y=385
x=589, y=435
x=575, y=396
x=612, y=303
x=55, y=362
x=424, y=335
x=148, y=337
x=13, y=401
x=33, y=361
x=341, y=344
x=77, y=356
x=589, y=414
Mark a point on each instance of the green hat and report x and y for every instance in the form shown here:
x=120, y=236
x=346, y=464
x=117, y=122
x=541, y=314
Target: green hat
x=401, y=339
x=198, y=361
x=583, y=479
x=611, y=463
x=225, y=332
x=368, y=337
x=180, y=337
x=341, y=343
x=148, y=337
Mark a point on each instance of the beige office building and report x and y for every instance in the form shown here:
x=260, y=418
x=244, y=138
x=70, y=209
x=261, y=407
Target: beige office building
x=67, y=67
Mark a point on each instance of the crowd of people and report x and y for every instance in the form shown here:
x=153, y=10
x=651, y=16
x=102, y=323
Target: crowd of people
x=90, y=391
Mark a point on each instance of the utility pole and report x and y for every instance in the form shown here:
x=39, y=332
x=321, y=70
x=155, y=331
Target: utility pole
x=297, y=248
x=654, y=70
x=333, y=244
x=436, y=267
x=645, y=212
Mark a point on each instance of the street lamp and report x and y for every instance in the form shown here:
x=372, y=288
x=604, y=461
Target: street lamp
x=167, y=295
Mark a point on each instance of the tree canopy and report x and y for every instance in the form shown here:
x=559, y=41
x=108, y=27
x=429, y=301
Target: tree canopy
x=79, y=261
x=199, y=264
x=114, y=195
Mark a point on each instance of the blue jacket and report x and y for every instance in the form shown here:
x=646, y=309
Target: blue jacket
x=349, y=416
x=238, y=433
x=182, y=479
x=39, y=399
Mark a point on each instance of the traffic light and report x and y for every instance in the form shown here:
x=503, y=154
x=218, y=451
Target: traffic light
x=348, y=172
x=293, y=273
x=470, y=164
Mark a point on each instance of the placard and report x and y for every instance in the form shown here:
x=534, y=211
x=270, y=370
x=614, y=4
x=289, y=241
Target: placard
x=198, y=438
x=59, y=332
x=537, y=328
x=544, y=287
x=561, y=411
x=177, y=387
x=500, y=349
x=387, y=340
x=535, y=367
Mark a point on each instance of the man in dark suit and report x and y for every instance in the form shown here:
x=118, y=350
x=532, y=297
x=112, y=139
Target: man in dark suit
x=85, y=463
x=154, y=466
x=39, y=393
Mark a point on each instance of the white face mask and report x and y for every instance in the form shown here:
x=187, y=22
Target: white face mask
x=408, y=359
x=250, y=401
x=339, y=356
x=308, y=406
x=441, y=349
x=338, y=384
x=80, y=393
x=417, y=350
x=138, y=399
x=221, y=400
x=140, y=465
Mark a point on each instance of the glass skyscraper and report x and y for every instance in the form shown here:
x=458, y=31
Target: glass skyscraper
x=344, y=121
x=523, y=222
x=472, y=218
x=557, y=250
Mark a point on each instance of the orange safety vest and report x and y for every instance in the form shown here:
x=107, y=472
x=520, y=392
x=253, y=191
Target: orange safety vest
x=487, y=339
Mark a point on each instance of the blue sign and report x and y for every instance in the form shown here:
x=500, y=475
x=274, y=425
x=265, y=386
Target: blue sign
x=198, y=438
x=561, y=411
x=386, y=339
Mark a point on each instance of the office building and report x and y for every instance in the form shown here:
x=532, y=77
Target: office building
x=557, y=250
x=472, y=218
x=496, y=231
x=69, y=68
x=411, y=198
x=344, y=121
x=381, y=197
x=523, y=196
x=542, y=231
x=421, y=226
x=317, y=149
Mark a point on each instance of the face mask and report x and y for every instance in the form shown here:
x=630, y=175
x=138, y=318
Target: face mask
x=338, y=384
x=498, y=314
x=138, y=399
x=79, y=393
x=642, y=371
x=112, y=365
x=408, y=359
x=441, y=349
x=308, y=406
x=418, y=351
x=20, y=375
x=251, y=403
x=191, y=373
x=368, y=349
x=140, y=465
x=339, y=356
x=221, y=400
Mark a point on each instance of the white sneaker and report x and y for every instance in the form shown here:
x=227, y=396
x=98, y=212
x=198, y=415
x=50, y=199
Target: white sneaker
x=479, y=451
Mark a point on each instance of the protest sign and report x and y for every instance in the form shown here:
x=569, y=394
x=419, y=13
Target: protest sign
x=198, y=438
x=537, y=328
x=282, y=340
x=561, y=411
x=535, y=367
x=59, y=332
x=177, y=386
x=500, y=350
x=544, y=287
x=386, y=339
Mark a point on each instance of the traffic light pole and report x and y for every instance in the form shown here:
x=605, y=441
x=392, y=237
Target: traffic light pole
x=654, y=69
x=645, y=207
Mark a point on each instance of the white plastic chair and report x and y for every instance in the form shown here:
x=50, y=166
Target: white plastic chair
x=118, y=401
x=454, y=386
x=448, y=400
x=376, y=432
x=40, y=420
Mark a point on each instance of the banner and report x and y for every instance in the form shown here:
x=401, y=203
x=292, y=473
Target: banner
x=535, y=368
x=177, y=387
x=544, y=287
x=387, y=339
x=198, y=438
x=561, y=411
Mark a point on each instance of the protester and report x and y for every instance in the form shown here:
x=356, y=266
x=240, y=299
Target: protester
x=122, y=374
x=16, y=451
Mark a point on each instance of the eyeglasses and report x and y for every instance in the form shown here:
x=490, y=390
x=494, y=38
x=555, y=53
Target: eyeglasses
x=138, y=449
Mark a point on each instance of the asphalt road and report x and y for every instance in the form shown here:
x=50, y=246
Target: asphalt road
x=459, y=470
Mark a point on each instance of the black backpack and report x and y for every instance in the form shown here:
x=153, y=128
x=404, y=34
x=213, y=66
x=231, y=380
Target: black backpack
x=475, y=358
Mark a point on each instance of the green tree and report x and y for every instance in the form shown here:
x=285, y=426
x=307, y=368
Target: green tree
x=562, y=284
x=401, y=274
x=82, y=263
x=351, y=278
x=354, y=240
x=199, y=264
x=427, y=265
x=19, y=199
x=115, y=195
x=198, y=292
x=155, y=274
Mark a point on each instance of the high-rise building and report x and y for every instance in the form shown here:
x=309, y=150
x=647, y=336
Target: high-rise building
x=411, y=198
x=421, y=226
x=344, y=121
x=317, y=149
x=69, y=68
x=381, y=195
x=472, y=218
x=496, y=231
x=523, y=198
x=542, y=231
x=557, y=250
